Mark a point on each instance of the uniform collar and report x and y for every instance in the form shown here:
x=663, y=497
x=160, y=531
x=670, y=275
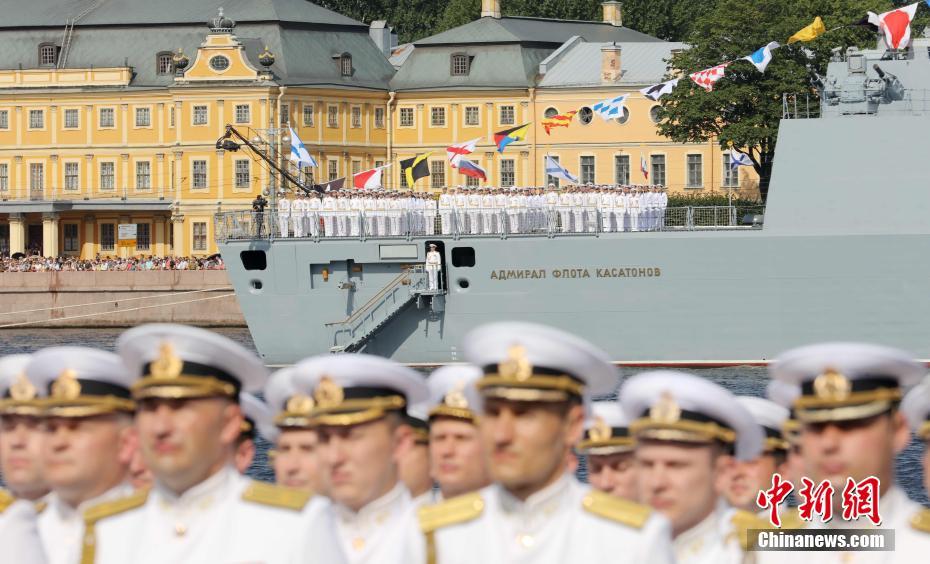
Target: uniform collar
x=543, y=501
x=65, y=511
x=698, y=538
x=204, y=492
x=395, y=500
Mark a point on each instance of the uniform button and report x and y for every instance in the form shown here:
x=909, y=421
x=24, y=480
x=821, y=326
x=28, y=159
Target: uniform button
x=358, y=543
x=180, y=529
x=526, y=541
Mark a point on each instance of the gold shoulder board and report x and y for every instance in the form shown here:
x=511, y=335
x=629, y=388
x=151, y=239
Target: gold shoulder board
x=791, y=520
x=453, y=511
x=41, y=506
x=109, y=508
x=622, y=511
x=276, y=496
x=921, y=521
x=743, y=521
x=6, y=500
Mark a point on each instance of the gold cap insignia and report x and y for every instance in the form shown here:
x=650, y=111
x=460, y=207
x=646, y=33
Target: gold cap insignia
x=665, y=410
x=22, y=389
x=66, y=386
x=601, y=431
x=456, y=397
x=328, y=393
x=832, y=386
x=168, y=364
x=300, y=404
x=517, y=366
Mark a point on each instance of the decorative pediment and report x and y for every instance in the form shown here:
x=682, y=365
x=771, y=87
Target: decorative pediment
x=220, y=57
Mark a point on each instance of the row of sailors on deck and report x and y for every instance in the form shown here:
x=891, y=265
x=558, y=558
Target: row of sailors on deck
x=575, y=209
x=138, y=457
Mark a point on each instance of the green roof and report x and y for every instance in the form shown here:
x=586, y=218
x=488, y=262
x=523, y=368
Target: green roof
x=514, y=29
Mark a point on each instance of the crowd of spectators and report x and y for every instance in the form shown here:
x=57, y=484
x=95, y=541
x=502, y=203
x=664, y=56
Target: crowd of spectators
x=107, y=263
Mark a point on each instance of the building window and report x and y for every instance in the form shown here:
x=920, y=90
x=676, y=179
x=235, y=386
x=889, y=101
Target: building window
x=285, y=114
x=72, y=118
x=107, y=236
x=356, y=167
x=471, y=181
x=658, y=169
x=200, y=115
x=585, y=115
x=107, y=117
x=406, y=117
x=332, y=169
x=70, y=235
x=551, y=179
x=4, y=119
x=379, y=118
x=171, y=116
x=730, y=175
x=36, y=177
x=243, y=113
x=164, y=63
x=4, y=177
x=143, y=117
x=332, y=116
x=437, y=174
x=143, y=175
x=622, y=169
x=655, y=114
x=308, y=115
x=48, y=55
x=345, y=64
x=107, y=176
x=472, y=117
x=695, y=171
x=437, y=117
x=624, y=117
x=587, y=169
x=71, y=176
x=199, y=169
x=379, y=164
x=508, y=173
x=356, y=117
x=170, y=237
x=507, y=115
x=550, y=113
x=200, y=235
x=243, y=173
x=143, y=236
x=461, y=64
x=36, y=119
x=219, y=63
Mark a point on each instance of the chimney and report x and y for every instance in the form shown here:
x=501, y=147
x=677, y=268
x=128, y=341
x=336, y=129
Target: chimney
x=491, y=9
x=611, y=68
x=382, y=35
x=613, y=13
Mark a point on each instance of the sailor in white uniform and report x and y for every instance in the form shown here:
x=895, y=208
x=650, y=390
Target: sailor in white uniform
x=608, y=446
x=566, y=200
x=328, y=209
x=413, y=464
x=429, y=214
x=474, y=212
x=284, y=213
x=663, y=204
x=487, y=211
x=551, y=207
x=460, y=201
x=446, y=201
x=312, y=214
x=536, y=383
x=295, y=456
x=255, y=414
x=21, y=437
x=433, y=266
x=359, y=404
x=847, y=398
x=686, y=428
x=187, y=383
x=634, y=209
x=18, y=535
x=297, y=214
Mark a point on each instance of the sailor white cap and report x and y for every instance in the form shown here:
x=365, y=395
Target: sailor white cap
x=916, y=407
x=350, y=389
x=784, y=394
x=290, y=408
x=418, y=419
x=675, y=406
x=451, y=391
x=17, y=394
x=607, y=430
x=530, y=362
x=178, y=361
x=845, y=381
x=81, y=382
x=257, y=418
x=771, y=417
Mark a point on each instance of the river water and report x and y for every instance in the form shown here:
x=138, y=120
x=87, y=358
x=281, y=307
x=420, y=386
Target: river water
x=739, y=380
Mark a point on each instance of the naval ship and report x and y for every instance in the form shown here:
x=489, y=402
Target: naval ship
x=841, y=251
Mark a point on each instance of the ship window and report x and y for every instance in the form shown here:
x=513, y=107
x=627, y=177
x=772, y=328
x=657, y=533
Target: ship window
x=254, y=260
x=463, y=257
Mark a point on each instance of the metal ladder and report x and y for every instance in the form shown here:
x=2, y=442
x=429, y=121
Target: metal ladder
x=68, y=35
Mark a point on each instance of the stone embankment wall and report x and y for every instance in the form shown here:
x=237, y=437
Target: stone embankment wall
x=117, y=299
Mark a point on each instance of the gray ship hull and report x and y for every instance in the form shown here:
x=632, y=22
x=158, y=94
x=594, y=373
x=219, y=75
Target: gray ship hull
x=842, y=256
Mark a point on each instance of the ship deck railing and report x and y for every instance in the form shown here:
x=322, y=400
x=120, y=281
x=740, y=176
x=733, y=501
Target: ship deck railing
x=456, y=224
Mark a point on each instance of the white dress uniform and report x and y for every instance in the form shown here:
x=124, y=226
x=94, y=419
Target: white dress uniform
x=19, y=537
x=633, y=209
x=663, y=204
x=461, y=203
x=566, y=200
x=500, y=209
x=590, y=204
x=433, y=266
x=328, y=209
x=355, y=214
x=297, y=216
x=552, y=203
x=284, y=215
x=313, y=216
x=622, y=211
x=513, y=213
x=61, y=526
x=487, y=212
x=379, y=531
x=606, y=205
x=474, y=213
x=429, y=214
x=445, y=213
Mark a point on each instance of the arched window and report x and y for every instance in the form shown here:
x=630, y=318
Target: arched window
x=345, y=64
x=585, y=115
x=48, y=55
x=551, y=112
x=624, y=117
x=164, y=63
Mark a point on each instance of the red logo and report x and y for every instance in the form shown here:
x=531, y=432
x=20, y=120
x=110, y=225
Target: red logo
x=770, y=499
x=860, y=499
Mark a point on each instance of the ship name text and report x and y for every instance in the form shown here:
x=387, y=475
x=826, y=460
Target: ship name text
x=576, y=273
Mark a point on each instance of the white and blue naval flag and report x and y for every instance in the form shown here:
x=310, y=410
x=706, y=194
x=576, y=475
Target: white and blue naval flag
x=738, y=159
x=611, y=108
x=299, y=153
x=763, y=56
x=555, y=170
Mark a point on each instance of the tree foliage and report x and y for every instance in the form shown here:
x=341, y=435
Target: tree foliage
x=745, y=107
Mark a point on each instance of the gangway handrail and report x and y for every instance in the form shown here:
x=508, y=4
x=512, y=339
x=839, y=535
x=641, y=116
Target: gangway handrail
x=383, y=292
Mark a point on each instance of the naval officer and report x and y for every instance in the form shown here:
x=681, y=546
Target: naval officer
x=88, y=439
x=608, y=446
x=687, y=431
x=457, y=463
x=433, y=266
x=187, y=383
x=359, y=406
x=20, y=430
x=413, y=466
x=536, y=383
x=255, y=414
x=847, y=397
